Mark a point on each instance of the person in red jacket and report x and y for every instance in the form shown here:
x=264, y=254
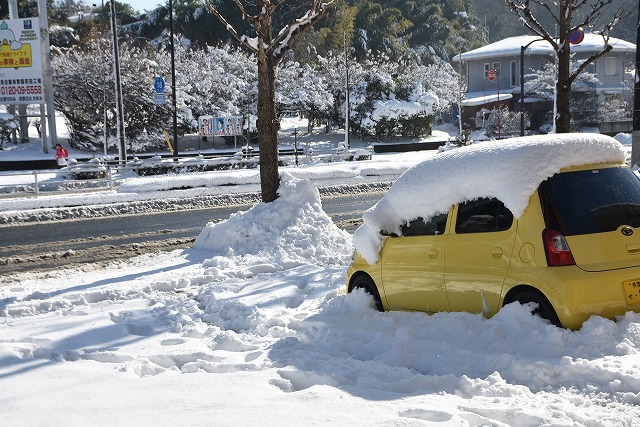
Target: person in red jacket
x=61, y=155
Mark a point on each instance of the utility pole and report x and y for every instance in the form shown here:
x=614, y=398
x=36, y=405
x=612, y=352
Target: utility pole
x=122, y=148
x=47, y=76
x=635, y=141
x=173, y=83
x=346, y=83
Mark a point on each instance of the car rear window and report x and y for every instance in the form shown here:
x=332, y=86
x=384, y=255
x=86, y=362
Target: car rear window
x=591, y=201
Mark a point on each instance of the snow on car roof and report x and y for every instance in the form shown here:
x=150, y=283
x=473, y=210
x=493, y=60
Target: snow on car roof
x=510, y=170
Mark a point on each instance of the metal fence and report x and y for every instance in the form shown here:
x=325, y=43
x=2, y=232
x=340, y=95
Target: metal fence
x=36, y=183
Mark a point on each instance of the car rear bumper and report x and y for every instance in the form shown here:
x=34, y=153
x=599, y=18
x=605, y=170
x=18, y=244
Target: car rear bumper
x=577, y=295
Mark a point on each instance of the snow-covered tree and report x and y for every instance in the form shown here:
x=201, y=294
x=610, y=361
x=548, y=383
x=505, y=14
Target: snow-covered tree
x=541, y=83
x=302, y=88
x=384, y=107
x=568, y=16
x=439, y=79
x=269, y=50
x=82, y=100
x=614, y=108
x=215, y=81
x=332, y=70
x=62, y=36
x=499, y=122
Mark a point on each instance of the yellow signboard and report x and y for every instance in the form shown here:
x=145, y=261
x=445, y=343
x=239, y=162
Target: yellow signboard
x=21, y=79
x=10, y=58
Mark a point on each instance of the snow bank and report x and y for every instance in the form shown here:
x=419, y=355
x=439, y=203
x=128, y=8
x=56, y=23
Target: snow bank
x=510, y=170
x=291, y=231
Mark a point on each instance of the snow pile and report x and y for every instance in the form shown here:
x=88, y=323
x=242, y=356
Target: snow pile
x=263, y=334
x=291, y=231
x=289, y=348
x=510, y=170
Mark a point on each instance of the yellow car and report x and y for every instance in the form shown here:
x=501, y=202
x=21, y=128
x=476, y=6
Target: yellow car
x=571, y=246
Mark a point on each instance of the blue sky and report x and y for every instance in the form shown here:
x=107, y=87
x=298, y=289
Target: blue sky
x=142, y=5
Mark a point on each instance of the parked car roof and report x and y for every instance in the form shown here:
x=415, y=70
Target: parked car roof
x=510, y=170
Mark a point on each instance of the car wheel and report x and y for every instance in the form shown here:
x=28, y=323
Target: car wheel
x=544, y=308
x=365, y=282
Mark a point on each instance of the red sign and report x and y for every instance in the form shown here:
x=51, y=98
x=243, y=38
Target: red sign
x=491, y=75
x=576, y=36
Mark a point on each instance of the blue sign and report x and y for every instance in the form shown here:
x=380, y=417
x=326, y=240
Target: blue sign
x=158, y=85
x=576, y=36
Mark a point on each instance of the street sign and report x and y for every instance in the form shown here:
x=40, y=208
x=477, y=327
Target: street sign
x=158, y=85
x=576, y=36
x=160, y=98
x=491, y=75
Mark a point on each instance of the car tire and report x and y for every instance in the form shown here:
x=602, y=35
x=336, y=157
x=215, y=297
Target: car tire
x=364, y=282
x=544, y=309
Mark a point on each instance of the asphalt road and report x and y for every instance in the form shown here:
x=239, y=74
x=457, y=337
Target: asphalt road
x=43, y=246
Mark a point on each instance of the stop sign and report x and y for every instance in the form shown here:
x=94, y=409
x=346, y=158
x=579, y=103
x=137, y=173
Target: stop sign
x=491, y=75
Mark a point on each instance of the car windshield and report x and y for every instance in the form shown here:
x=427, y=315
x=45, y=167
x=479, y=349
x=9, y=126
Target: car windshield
x=591, y=201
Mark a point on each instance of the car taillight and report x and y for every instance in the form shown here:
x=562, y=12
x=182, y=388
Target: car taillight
x=558, y=252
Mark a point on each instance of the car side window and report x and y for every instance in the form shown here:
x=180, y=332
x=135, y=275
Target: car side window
x=482, y=216
x=418, y=227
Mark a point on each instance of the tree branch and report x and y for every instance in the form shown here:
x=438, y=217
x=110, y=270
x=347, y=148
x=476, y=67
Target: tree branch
x=290, y=33
x=243, y=40
x=546, y=7
x=523, y=10
x=590, y=60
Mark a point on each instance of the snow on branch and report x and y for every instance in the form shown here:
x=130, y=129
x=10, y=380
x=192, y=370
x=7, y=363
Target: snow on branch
x=287, y=36
x=245, y=41
x=523, y=10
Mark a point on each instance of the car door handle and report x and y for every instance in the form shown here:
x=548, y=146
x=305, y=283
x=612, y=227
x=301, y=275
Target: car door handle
x=433, y=253
x=497, y=252
x=633, y=249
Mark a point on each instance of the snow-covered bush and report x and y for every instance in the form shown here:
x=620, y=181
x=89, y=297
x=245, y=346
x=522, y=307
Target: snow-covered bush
x=82, y=99
x=62, y=36
x=613, y=109
x=501, y=122
x=542, y=82
x=382, y=108
x=212, y=81
x=304, y=89
x=8, y=124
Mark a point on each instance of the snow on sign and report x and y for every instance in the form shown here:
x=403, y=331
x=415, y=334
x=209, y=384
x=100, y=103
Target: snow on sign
x=21, y=79
x=491, y=75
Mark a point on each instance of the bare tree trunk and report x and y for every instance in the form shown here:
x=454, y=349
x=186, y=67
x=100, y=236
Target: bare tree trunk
x=269, y=52
x=563, y=92
x=268, y=124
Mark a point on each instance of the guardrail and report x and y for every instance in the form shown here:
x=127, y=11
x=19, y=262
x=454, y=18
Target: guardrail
x=35, y=183
x=98, y=174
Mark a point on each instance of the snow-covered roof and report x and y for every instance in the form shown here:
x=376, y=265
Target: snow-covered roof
x=511, y=47
x=477, y=98
x=501, y=169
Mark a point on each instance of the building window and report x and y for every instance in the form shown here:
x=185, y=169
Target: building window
x=487, y=67
x=514, y=74
x=496, y=67
x=610, y=66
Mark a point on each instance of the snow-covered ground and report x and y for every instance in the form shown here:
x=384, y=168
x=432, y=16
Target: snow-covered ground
x=251, y=326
